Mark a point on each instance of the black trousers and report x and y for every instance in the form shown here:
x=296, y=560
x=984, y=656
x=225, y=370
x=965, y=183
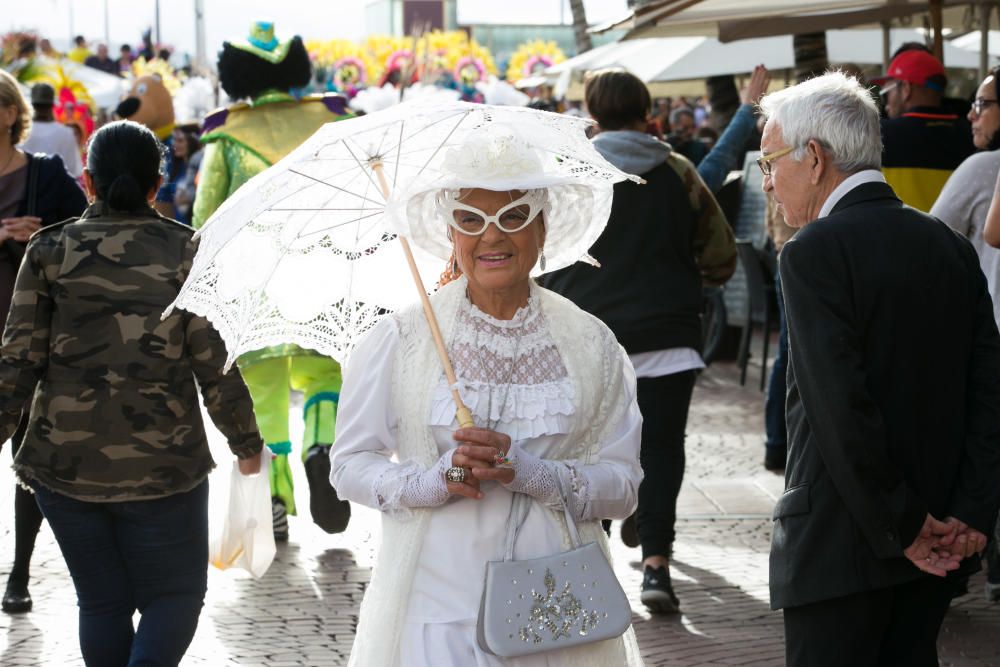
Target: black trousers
x=27, y=518
x=663, y=402
x=890, y=627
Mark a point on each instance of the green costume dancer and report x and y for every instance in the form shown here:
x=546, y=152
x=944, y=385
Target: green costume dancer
x=240, y=142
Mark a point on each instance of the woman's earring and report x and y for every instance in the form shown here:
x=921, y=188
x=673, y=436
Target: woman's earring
x=454, y=267
x=542, y=260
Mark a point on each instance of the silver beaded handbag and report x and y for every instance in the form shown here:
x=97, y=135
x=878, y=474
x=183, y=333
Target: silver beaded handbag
x=549, y=603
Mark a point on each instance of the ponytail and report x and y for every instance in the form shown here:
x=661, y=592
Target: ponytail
x=125, y=194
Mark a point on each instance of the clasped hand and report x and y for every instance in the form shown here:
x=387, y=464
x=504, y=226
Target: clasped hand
x=20, y=228
x=477, y=452
x=941, y=546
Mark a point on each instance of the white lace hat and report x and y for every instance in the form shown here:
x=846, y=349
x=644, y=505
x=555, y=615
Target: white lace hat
x=547, y=151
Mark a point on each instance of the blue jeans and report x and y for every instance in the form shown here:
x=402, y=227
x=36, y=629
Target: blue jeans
x=774, y=404
x=150, y=555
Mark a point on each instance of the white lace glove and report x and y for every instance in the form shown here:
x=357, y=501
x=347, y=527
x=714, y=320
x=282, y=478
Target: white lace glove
x=537, y=478
x=406, y=486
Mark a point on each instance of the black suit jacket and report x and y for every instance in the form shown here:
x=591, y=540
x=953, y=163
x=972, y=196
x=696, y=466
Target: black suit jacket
x=893, y=396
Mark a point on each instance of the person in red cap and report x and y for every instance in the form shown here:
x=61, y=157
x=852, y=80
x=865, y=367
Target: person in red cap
x=923, y=143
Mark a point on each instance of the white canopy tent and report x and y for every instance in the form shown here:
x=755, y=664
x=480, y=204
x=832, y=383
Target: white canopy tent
x=972, y=42
x=672, y=59
x=741, y=19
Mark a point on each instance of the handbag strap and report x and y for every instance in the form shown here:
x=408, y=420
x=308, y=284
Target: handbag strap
x=32, y=195
x=519, y=508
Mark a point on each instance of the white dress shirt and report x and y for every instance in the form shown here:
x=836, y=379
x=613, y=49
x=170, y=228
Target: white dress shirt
x=851, y=182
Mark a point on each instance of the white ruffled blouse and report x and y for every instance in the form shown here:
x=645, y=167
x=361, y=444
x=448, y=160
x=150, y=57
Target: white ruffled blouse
x=511, y=376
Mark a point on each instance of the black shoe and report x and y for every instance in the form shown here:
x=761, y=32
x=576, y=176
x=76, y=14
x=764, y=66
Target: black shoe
x=629, y=532
x=657, y=593
x=16, y=599
x=775, y=459
x=328, y=511
x=279, y=519
x=992, y=591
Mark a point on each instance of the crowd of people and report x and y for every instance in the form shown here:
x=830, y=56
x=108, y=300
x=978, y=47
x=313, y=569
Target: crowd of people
x=580, y=375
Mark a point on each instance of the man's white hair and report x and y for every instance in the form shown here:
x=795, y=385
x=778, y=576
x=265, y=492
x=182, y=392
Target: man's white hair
x=836, y=111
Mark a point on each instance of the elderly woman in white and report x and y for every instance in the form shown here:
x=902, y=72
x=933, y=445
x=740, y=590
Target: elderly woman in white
x=553, y=397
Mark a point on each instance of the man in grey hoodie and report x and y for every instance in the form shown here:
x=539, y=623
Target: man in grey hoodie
x=664, y=240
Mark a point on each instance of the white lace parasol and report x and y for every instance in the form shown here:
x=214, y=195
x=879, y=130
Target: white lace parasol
x=306, y=252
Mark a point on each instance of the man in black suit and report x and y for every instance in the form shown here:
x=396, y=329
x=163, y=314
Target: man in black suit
x=893, y=393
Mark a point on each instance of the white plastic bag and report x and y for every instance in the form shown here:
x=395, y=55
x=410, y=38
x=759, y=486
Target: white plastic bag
x=246, y=538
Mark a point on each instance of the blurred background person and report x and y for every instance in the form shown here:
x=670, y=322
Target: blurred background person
x=187, y=183
x=682, y=135
x=184, y=145
x=922, y=142
x=125, y=58
x=24, y=209
x=80, y=51
x=102, y=61
x=50, y=136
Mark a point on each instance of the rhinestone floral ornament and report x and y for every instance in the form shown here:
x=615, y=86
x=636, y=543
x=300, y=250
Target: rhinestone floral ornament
x=556, y=615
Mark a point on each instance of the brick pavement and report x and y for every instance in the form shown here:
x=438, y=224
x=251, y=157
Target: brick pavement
x=304, y=610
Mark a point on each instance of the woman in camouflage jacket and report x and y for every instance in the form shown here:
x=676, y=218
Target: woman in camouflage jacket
x=115, y=448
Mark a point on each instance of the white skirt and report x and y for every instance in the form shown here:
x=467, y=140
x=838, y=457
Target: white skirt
x=447, y=644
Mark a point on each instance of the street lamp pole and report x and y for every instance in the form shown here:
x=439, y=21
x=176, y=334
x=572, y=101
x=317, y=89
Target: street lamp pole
x=158, y=42
x=200, y=57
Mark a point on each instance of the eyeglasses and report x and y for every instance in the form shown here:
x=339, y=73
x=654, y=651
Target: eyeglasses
x=764, y=161
x=471, y=221
x=981, y=103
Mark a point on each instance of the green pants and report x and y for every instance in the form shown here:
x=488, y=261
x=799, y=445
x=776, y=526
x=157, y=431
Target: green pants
x=269, y=382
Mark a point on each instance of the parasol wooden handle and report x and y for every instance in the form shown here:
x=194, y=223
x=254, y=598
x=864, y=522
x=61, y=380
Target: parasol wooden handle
x=462, y=412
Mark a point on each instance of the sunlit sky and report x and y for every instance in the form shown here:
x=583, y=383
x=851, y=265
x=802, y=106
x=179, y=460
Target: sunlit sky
x=228, y=19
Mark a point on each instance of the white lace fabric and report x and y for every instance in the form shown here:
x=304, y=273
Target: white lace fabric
x=411, y=485
x=539, y=478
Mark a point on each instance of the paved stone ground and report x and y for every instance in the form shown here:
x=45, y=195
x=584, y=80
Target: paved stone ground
x=304, y=610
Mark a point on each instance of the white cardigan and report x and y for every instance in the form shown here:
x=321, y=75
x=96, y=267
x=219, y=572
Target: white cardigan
x=594, y=363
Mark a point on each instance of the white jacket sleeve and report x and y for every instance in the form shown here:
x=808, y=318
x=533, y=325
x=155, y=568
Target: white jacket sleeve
x=604, y=489
x=361, y=465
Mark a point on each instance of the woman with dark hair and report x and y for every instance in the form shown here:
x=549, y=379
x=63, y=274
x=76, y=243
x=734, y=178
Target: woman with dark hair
x=115, y=449
x=35, y=191
x=185, y=153
x=963, y=205
x=965, y=198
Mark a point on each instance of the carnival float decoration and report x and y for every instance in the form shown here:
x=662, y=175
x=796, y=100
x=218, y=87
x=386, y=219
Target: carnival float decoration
x=76, y=115
x=23, y=60
x=531, y=59
x=341, y=66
